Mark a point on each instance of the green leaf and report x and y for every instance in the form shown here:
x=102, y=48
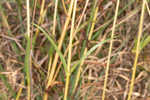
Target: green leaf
x=54, y=45
x=144, y=42
x=88, y=53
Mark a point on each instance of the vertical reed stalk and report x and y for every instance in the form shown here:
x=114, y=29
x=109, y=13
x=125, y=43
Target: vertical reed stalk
x=137, y=49
x=110, y=50
x=68, y=74
x=50, y=78
x=27, y=56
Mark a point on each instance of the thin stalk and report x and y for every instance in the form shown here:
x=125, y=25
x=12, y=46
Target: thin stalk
x=110, y=50
x=137, y=50
x=147, y=8
x=50, y=79
x=40, y=21
x=54, y=28
x=55, y=14
x=64, y=6
x=20, y=91
x=27, y=56
x=70, y=50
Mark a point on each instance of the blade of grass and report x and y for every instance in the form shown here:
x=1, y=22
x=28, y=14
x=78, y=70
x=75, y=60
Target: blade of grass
x=137, y=50
x=54, y=45
x=110, y=50
x=144, y=42
x=59, y=66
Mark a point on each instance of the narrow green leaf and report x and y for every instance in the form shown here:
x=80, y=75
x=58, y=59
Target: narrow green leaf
x=54, y=45
x=88, y=53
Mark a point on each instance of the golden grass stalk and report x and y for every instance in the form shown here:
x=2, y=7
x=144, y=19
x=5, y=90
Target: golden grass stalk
x=54, y=27
x=110, y=50
x=20, y=91
x=55, y=14
x=147, y=8
x=137, y=50
x=68, y=74
x=40, y=21
x=50, y=78
x=77, y=30
x=65, y=10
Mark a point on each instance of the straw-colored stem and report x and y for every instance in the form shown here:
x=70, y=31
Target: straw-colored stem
x=54, y=29
x=110, y=50
x=27, y=56
x=66, y=86
x=40, y=20
x=70, y=50
x=50, y=79
x=55, y=14
x=77, y=29
x=147, y=8
x=20, y=91
x=65, y=10
x=137, y=50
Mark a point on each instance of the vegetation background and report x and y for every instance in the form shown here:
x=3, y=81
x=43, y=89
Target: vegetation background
x=74, y=50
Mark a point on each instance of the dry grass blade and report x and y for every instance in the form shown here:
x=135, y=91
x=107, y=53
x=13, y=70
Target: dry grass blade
x=137, y=50
x=110, y=50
